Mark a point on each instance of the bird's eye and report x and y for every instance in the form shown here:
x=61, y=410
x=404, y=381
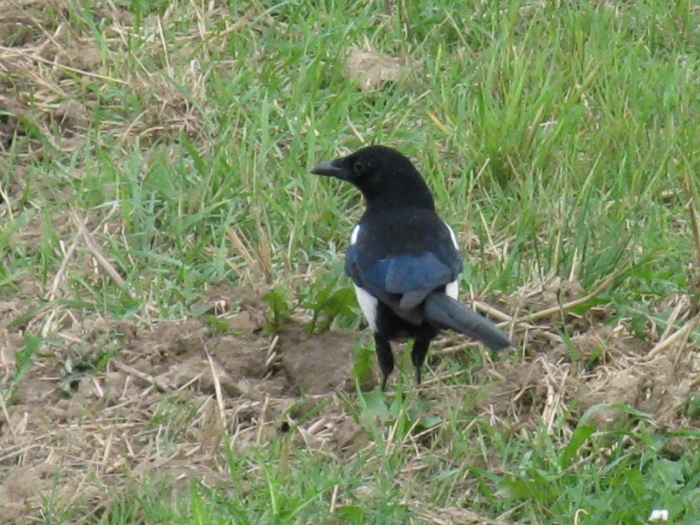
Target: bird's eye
x=359, y=167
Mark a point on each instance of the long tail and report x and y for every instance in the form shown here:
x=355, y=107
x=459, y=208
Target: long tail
x=448, y=313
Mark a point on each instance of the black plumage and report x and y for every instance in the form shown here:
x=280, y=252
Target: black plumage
x=403, y=258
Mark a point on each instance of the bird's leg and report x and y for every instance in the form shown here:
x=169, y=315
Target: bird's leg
x=384, y=356
x=418, y=353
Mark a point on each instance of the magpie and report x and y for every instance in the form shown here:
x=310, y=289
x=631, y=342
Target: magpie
x=404, y=259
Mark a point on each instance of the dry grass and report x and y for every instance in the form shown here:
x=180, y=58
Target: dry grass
x=55, y=78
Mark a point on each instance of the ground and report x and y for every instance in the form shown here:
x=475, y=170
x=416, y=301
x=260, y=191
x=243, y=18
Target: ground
x=77, y=430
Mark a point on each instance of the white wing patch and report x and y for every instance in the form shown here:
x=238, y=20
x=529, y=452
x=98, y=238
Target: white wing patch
x=452, y=235
x=356, y=232
x=368, y=305
x=452, y=289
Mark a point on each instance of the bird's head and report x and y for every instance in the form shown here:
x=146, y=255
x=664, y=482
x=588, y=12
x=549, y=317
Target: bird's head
x=383, y=175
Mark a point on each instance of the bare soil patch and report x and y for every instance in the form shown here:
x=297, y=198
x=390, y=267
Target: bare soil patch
x=169, y=392
x=74, y=430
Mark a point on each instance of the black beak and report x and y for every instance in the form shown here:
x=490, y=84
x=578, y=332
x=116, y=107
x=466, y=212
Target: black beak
x=333, y=169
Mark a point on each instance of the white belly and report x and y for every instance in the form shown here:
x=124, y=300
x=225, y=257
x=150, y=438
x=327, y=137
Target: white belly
x=368, y=305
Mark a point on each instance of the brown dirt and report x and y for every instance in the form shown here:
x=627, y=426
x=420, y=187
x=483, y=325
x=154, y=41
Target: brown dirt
x=78, y=432
x=68, y=420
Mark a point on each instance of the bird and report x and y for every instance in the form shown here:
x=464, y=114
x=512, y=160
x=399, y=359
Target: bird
x=403, y=259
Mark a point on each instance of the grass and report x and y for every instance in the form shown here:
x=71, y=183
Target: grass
x=558, y=137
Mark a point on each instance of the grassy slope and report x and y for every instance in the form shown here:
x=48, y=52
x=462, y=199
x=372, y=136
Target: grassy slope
x=557, y=139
